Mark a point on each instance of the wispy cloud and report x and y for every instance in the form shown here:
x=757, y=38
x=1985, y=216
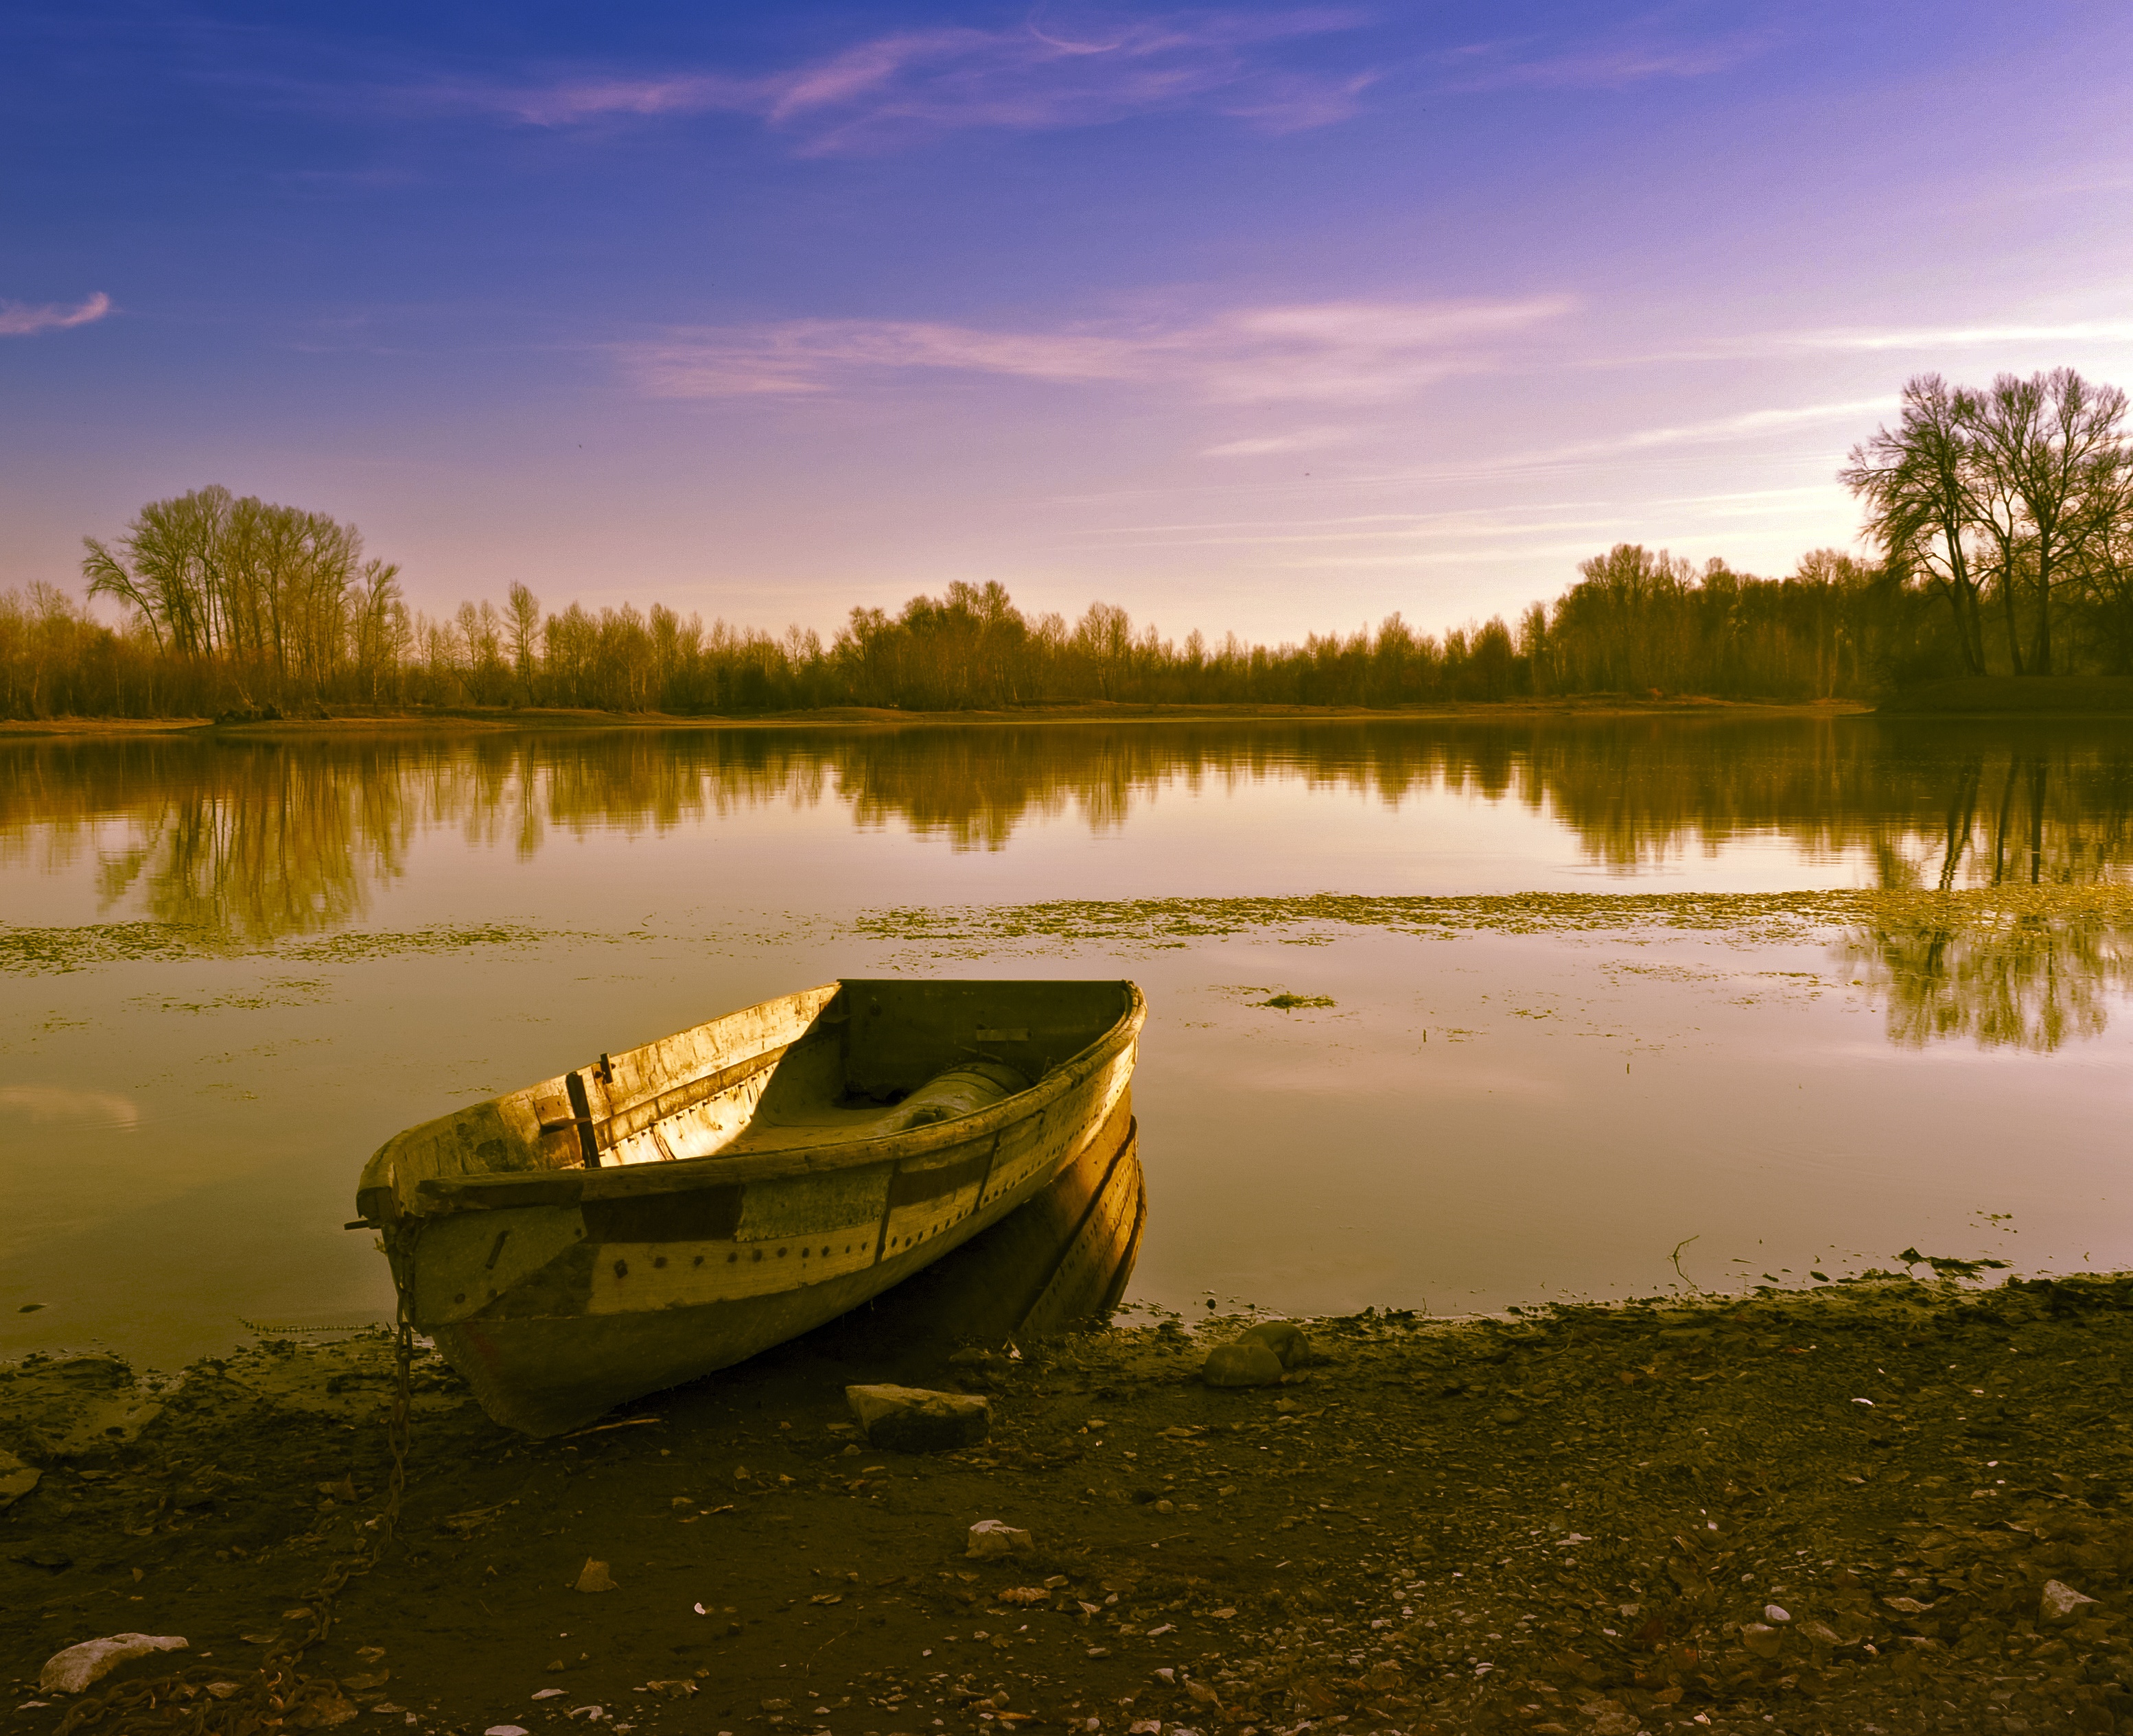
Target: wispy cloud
x=1746, y=425
x=20, y=319
x=1330, y=352
x=913, y=84
x=1610, y=65
x=1274, y=445
x=1967, y=337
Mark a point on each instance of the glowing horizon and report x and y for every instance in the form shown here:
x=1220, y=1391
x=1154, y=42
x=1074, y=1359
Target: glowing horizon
x=1264, y=319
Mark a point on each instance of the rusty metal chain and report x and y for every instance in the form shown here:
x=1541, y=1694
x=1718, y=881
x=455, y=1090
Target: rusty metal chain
x=279, y=1695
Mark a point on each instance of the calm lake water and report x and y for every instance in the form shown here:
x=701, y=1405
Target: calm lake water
x=1589, y=1010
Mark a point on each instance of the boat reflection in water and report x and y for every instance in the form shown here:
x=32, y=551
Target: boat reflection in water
x=677, y=1207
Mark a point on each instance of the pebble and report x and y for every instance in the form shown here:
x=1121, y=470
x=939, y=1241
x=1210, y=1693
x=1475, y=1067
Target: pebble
x=17, y=1479
x=1285, y=1338
x=72, y=1670
x=912, y=1420
x=2059, y=1602
x=1247, y=1363
x=991, y=1539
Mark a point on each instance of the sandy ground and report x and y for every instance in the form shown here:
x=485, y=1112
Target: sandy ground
x=1866, y=1509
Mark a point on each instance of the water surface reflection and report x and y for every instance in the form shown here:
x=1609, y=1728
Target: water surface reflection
x=252, y=841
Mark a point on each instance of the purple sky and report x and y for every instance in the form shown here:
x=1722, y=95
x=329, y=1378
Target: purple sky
x=1266, y=318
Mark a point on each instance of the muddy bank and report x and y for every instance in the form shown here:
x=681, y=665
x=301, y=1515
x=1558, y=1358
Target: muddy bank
x=1842, y=1511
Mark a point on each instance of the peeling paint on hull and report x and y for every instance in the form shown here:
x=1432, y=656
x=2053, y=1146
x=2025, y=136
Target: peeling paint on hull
x=561, y=1288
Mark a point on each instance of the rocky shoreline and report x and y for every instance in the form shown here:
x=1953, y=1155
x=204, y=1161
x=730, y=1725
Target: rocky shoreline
x=1883, y=1506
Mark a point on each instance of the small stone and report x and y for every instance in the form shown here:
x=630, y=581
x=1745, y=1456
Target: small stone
x=556, y=1667
x=1761, y=1640
x=2061, y=1602
x=548, y=1693
x=1166, y=1506
x=1907, y=1606
x=1167, y=1677
x=72, y=1670
x=17, y=1479
x=594, y=1577
x=912, y=1420
x=1245, y=1363
x=973, y=1358
x=1507, y=1417
x=990, y=1540
x=505, y=1730
x=1285, y=1338
x=1821, y=1633
x=1775, y=1616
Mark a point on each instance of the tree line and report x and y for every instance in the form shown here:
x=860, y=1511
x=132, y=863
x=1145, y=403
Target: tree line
x=2000, y=520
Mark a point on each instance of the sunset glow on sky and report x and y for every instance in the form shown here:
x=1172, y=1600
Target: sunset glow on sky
x=1265, y=317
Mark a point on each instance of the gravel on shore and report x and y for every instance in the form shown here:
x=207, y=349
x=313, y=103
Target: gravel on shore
x=1884, y=1506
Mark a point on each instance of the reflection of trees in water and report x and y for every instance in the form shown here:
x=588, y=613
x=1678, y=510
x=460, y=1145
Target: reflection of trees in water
x=2031, y=816
x=261, y=839
x=2009, y=978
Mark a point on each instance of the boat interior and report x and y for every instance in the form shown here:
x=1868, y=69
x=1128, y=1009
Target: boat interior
x=856, y=1060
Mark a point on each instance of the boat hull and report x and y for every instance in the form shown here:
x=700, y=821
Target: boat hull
x=561, y=1367
x=561, y=1292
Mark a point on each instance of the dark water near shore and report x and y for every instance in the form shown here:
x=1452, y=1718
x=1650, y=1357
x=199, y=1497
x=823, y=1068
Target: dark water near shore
x=228, y=969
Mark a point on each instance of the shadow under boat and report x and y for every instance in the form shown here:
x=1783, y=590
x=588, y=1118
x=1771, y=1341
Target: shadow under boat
x=1059, y=1264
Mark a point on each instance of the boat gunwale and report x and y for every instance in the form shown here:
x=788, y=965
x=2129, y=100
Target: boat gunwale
x=440, y=1196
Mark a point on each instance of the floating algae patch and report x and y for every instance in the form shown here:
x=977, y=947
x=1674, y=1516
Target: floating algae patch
x=40, y=951
x=1763, y=917
x=1288, y=1002
x=357, y=946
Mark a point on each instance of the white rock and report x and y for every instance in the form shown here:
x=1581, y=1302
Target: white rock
x=1773, y=1614
x=991, y=1539
x=505, y=1730
x=71, y=1671
x=2061, y=1602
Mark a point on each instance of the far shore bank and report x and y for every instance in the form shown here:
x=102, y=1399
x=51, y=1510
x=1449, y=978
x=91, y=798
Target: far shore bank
x=1978, y=698
x=1880, y=1503
x=350, y=720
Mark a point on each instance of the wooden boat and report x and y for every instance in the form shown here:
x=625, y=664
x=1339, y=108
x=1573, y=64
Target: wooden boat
x=674, y=1208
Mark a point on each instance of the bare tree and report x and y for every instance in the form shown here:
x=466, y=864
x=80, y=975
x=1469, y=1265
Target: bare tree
x=2050, y=450
x=1914, y=479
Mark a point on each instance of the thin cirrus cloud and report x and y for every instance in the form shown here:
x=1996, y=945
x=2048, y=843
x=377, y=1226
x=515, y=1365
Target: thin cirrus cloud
x=914, y=84
x=1970, y=337
x=20, y=319
x=1328, y=352
x=1504, y=65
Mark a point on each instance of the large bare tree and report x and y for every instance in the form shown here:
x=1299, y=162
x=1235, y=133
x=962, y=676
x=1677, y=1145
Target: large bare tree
x=1915, y=480
x=2049, y=451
